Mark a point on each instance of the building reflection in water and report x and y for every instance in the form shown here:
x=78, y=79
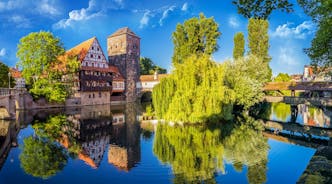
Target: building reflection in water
x=302, y=113
x=124, y=150
x=86, y=133
x=96, y=128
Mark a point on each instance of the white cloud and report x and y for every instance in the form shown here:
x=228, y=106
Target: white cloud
x=145, y=19
x=45, y=7
x=10, y=5
x=2, y=52
x=287, y=57
x=159, y=15
x=20, y=21
x=165, y=14
x=233, y=22
x=300, y=32
x=184, y=7
x=80, y=15
x=95, y=8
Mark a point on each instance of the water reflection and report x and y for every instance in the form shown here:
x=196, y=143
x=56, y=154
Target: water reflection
x=302, y=114
x=8, y=139
x=198, y=153
x=109, y=141
x=84, y=134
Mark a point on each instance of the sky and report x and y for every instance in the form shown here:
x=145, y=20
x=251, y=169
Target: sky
x=154, y=21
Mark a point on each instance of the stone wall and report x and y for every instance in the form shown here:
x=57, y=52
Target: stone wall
x=124, y=53
x=94, y=98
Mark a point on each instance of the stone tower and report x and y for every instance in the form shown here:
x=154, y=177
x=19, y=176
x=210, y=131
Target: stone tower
x=123, y=48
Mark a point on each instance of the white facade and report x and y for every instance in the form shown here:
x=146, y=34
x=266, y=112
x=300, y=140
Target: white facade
x=95, y=57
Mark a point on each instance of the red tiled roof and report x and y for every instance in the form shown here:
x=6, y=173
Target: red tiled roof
x=150, y=78
x=81, y=49
x=15, y=73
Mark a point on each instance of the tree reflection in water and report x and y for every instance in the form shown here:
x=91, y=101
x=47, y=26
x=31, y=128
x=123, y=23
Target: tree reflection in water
x=197, y=153
x=41, y=157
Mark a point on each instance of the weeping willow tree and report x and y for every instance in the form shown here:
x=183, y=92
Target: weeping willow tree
x=195, y=152
x=194, y=92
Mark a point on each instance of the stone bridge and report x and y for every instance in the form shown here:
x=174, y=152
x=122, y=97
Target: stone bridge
x=296, y=86
x=10, y=101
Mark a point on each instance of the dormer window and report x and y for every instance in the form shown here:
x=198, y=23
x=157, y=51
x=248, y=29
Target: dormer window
x=98, y=57
x=97, y=49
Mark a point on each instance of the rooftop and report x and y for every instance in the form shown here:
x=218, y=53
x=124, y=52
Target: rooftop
x=150, y=78
x=124, y=30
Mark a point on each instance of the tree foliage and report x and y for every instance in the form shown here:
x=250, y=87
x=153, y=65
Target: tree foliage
x=258, y=39
x=195, y=36
x=4, y=79
x=320, y=51
x=42, y=158
x=148, y=67
x=239, y=42
x=49, y=77
x=245, y=78
x=260, y=9
x=282, y=77
x=37, y=52
x=193, y=93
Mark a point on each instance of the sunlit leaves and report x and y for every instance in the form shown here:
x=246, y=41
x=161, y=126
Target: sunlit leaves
x=195, y=36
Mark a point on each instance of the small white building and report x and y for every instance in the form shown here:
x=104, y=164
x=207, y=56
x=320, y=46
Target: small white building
x=147, y=82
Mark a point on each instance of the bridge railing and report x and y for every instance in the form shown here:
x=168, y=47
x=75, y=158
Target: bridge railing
x=11, y=91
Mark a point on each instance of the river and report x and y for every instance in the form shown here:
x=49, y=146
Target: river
x=109, y=144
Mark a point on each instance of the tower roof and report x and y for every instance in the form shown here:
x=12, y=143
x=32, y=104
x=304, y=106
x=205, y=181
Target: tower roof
x=124, y=30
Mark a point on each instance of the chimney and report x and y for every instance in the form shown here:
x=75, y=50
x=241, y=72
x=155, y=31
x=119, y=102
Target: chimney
x=155, y=77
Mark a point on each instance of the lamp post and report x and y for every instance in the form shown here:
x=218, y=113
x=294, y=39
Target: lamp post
x=9, y=74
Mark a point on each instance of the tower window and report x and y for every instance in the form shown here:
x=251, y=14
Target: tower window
x=97, y=49
x=93, y=48
x=98, y=57
x=91, y=55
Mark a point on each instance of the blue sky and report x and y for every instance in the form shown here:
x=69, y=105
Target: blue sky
x=154, y=21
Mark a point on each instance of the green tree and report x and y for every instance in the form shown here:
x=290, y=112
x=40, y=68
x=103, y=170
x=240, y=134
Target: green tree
x=4, y=70
x=148, y=67
x=282, y=77
x=42, y=158
x=246, y=77
x=37, y=52
x=258, y=39
x=193, y=93
x=238, y=50
x=321, y=46
x=260, y=9
x=195, y=36
x=45, y=66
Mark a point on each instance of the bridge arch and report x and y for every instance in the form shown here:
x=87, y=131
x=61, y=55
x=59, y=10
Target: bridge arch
x=146, y=96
